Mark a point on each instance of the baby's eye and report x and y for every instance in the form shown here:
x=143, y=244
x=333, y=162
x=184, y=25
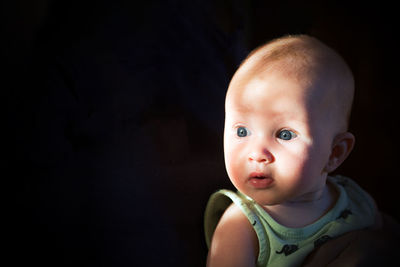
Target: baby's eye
x=242, y=132
x=286, y=135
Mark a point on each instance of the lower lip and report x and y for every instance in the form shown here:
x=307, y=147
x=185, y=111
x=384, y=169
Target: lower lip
x=261, y=183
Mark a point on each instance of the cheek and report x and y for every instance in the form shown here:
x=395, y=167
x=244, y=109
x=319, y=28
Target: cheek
x=294, y=162
x=233, y=159
x=302, y=162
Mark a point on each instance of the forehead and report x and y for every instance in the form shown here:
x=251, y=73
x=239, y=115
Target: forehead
x=273, y=95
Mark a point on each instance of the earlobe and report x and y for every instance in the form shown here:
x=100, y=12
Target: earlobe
x=341, y=147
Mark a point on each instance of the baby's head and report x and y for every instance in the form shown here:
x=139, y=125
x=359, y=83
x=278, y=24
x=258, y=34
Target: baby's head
x=287, y=112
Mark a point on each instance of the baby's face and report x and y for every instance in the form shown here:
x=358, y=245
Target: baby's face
x=276, y=141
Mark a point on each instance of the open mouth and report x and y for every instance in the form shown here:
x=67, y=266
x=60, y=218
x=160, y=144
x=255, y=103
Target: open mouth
x=260, y=180
x=257, y=175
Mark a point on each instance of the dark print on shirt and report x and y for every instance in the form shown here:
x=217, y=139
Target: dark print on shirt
x=288, y=249
x=344, y=214
x=323, y=239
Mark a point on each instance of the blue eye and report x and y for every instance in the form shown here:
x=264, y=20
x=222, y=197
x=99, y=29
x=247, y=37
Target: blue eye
x=242, y=132
x=286, y=135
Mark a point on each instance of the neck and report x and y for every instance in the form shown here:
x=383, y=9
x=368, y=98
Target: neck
x=302, y=212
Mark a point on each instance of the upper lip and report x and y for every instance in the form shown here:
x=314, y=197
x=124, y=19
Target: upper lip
x=258, y=175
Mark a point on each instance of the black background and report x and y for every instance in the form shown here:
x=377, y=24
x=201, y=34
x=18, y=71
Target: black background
x=114, y=118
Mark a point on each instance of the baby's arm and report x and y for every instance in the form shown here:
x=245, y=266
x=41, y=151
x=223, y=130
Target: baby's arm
x=234, y=242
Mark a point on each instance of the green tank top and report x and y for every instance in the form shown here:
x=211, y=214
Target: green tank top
x=283, y=246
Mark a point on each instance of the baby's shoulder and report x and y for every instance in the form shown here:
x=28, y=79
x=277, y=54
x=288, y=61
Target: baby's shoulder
x=234, y=240
x=235, y=217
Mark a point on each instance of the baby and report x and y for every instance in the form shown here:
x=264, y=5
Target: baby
x=287, y=112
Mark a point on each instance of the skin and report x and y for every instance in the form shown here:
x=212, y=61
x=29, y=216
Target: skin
x=283, y=135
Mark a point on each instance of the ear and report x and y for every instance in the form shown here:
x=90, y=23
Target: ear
x=342, y=145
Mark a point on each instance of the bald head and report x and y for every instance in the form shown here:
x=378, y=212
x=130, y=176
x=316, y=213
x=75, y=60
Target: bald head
x=309, y=62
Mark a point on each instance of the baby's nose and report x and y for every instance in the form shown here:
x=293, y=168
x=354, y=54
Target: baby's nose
x=261, y=156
